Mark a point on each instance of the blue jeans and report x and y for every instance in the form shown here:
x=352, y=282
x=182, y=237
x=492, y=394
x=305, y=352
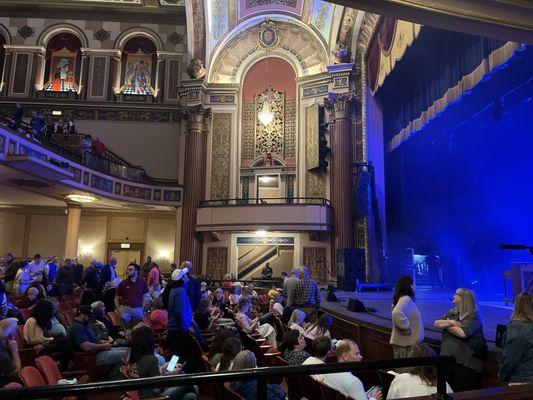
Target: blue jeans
x=111, y=357
x=180, y=393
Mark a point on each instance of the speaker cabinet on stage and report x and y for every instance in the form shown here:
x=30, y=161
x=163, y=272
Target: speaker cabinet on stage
x=350, y=268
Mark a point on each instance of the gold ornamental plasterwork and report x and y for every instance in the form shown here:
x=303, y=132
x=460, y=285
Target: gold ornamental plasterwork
x=269, y=139
x=220, y=156
x=248, y=130
x=315, y=182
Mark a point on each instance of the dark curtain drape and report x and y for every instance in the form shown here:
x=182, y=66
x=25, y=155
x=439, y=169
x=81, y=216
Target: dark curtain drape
x=63, y=40
x=435, y=62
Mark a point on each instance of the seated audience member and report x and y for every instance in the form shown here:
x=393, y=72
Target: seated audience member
x=230, y=348
x=39, y=321
x=319, y=327
x=84, y=340
x=227, y=282
x=158, y=315
x=109, y=293
x=236, y=295
x=130, y=295
x=275, y=309
x=516, y=362
x=248, y=325
x=417, y=381
x=215, y=351
x=37, y=270
x=57, y=326
x=143, y=363
x=297, y=321
x=266, y=272
x=65, y=278
x=9, y=353
x=22, y=279
x=344, y=382
x=221, y=303
x=100, y=326
x=204, y=292
x=7, y=309
x=30, y=299
x=248, y=389
x=292, y=347
x=250, y=291
x=204, y=316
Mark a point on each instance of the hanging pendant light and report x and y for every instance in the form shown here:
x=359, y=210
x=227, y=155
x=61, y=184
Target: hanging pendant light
x=265, y=115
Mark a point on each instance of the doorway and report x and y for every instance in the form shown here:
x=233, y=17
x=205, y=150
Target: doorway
x=124, y=256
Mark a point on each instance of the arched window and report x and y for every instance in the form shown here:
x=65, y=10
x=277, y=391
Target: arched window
x=63, y=63
x=139, y=62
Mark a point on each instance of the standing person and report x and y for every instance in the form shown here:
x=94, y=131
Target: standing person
x=288, y=286
x=22, y=278
x=65, y=278
x=36, y=123
x=407, y=326
x=147, y=266
x=71, y=128
x=109, y=293
x=85, y=149
x=109, y=272
x=179, y=339
x=516, y=362
x=130, y=294
x=37, y=269
x=153, y=280
x=194, y=289
x=417, y=381
x=17, y=116
x=51, y=269
x=266, y=272
x=462, y=337
x=92, y=280
x=50, y=128
x=306, y=295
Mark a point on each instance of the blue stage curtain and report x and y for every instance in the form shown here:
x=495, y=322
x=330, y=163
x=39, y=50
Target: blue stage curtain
x=435, y=62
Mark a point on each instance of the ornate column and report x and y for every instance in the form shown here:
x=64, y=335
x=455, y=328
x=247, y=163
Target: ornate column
x=73, y=227
x=38, y=71
x=341, y=107
x=193, y=183
x=84, y=73
x=160, y=77
x=114, y=74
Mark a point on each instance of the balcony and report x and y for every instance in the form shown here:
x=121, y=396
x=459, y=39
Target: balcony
x=51, y=169
x=273, y=214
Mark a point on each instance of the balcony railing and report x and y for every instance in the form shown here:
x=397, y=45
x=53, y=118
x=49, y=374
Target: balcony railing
x=112, y=164
x=261, y=374
x=265, y=201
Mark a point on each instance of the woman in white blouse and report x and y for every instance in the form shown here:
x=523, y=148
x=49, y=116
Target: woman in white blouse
x=407, y=326
x=250, y=325
x=418, y=381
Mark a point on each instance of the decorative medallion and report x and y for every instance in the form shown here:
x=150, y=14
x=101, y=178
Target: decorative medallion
x=102, y=35
x=25, y=32
x=175, y=38
x=268, y=34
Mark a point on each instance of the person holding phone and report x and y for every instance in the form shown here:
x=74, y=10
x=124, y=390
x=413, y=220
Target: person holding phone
x=143, y=363
x=9, y=353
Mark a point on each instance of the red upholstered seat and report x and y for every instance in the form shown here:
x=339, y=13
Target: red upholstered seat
x=31, y=376
x=51, y=374
x=12, y=385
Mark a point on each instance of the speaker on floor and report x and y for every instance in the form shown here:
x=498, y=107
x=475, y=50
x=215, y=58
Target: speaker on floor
x=356, y=306
x=350, y=268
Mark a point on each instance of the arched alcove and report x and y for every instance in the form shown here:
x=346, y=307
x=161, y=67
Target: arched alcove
x=63, y=62
x=139, y=66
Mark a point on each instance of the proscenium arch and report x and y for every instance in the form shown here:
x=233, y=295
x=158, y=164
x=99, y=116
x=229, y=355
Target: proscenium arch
x=5, y=33
x=53, y=30
x=252, y=60
x=133, y=32
x=242, y=33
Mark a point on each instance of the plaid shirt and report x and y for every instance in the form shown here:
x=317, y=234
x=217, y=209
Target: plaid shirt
x=306, y=293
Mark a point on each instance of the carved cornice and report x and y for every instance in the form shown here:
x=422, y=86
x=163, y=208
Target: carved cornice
x=340, y=106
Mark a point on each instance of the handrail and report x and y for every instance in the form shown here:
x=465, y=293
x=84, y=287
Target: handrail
x=261, y=374
x=264, y=200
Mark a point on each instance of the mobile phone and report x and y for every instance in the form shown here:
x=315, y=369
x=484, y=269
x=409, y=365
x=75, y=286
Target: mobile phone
x=172, y=364
x=372, y=391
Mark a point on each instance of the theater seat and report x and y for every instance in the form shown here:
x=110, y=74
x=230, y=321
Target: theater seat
x=30, y=376
x=12, y=385
x=232, y=395
x=51, y=374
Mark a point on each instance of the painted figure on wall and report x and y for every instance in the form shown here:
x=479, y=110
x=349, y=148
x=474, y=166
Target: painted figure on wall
x=62, y=76
x=138, y=75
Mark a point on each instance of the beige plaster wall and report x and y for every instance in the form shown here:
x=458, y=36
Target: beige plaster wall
x=151, y=145
x=92, y=238
x=160, y=239
x=47, y=235
x=12, y=227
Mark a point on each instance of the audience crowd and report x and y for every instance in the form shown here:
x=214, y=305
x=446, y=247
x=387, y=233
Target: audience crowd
x=133, y=325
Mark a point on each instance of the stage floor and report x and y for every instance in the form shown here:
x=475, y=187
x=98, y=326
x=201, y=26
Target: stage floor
x=433, y=304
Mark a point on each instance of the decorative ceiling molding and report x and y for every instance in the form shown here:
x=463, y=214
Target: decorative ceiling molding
x=297, y=43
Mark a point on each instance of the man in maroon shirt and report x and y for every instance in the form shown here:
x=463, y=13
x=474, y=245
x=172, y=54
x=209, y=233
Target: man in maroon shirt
x=130, y=295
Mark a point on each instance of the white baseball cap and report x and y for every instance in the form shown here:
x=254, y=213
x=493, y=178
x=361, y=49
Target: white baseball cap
x=177, y=274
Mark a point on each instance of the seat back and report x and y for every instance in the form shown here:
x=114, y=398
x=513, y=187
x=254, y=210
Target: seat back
x=133, y=395
x=309, y=387
x=114, y=317
x=30, y=376
x=12, y=385
x=330, y=393
x=69, y=316
x=49, y=370
x=231, y=394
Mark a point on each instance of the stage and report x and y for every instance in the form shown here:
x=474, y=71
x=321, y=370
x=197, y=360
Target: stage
x=433, y=303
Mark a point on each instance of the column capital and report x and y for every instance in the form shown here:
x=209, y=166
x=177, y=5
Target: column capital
x=340, y=106
x=196, y=117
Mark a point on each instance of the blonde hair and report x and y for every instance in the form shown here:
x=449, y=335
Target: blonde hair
x=245, y=359
x=344, y=346
x=523, y=308
x=468, y=304
x=7, y=327
x=297, y=317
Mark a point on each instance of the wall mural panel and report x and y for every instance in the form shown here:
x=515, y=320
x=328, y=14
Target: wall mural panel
x=138, y=76
x=322, y=16
x=62, y=72
x=247, y=134
x=315, y=260
x=315, y=182
x=217, y=262
x=220, y=156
